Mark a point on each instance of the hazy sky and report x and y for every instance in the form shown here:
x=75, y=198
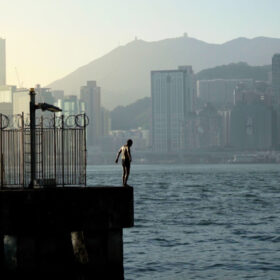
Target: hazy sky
x=47, y=39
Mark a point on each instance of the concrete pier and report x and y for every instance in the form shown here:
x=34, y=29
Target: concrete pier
x=72, y=232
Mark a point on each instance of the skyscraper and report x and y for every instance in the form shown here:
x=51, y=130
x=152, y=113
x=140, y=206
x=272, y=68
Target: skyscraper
x=172, y=102
x=220, y=92
x=276, y=77
x=276, y=93
x=90, y=95
x=2, y=62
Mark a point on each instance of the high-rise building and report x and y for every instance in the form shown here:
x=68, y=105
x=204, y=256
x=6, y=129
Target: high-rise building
x=2, y=62
x=21, y=99
x=276, y=77
x=58, y=94
x=276, y=94
x=172, y=102
x=105, y=122
x=210, y=127
x=44, y=95
x=251, y=126
x=225, y=135
x=6, y=94
x=6, y=99
x=220, y=92
x=90, y=95
x=70, y=105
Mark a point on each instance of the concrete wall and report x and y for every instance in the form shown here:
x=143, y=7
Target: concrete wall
x=74, y=233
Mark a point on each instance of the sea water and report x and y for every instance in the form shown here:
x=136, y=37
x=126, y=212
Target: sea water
x=200, y=221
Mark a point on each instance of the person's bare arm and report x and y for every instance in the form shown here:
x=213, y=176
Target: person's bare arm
x=117, y=158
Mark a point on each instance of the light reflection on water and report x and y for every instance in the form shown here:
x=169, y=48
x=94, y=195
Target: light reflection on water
x=200, y=221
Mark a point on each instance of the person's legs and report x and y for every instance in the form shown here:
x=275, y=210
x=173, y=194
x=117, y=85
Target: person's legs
x=127, y=171
x=124, y=174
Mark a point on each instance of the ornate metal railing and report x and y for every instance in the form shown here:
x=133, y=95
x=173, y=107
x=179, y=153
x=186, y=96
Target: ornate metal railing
x=60, y=150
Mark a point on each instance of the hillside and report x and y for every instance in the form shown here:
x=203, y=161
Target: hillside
x=124, y=73
x=235, y=71
x=139, y=113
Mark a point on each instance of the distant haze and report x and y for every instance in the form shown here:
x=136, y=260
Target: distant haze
x=124, y=73
x=48, y=39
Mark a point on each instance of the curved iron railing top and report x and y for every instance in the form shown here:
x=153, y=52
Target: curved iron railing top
x=50, y=121
x=58, y=155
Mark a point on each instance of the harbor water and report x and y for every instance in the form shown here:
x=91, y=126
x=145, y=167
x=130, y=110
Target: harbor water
x=200, y=221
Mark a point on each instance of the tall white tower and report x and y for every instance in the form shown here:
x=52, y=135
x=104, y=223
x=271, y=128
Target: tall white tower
x=90, y=94
x=172, y=102
x=2, y=62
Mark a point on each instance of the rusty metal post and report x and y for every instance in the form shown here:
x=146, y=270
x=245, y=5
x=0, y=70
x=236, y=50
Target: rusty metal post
x=1, y=151
x=32, y=110
x=22, y=150
x=85, y=149
x=41, y=149
x=62, y=147
x=54, y=147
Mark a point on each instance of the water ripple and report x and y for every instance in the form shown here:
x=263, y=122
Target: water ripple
x=201, y=221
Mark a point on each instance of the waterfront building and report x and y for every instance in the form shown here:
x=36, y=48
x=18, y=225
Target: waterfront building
x=245, y=96
x=90, y=95
x=6, y=99
x=261, y=92
x=210, y=127
x=173, y=98
x=225, y=134
x=105, y=122
x=2, y=62
x=70, y=105
x=251, y=126
x=44, y=95
x=6, y=93
x=21, y=99
x=220, y=92
x=253, y=120
x=276, y=77
x=190, y=130
x=58, y=94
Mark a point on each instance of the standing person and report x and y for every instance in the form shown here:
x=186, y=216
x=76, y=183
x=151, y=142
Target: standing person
x=126, y=160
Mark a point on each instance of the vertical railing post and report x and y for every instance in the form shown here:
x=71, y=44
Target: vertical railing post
x=32, y=136
x=41, y=148
x=54, y=147
x=22, y=150
x=85, y=149
x=1, y=151
x=62, y=147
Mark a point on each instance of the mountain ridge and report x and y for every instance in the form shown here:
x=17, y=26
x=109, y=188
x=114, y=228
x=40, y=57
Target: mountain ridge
x=124, y=72
x=138, y=113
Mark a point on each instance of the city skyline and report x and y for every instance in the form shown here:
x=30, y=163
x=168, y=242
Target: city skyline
x=41, y=49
